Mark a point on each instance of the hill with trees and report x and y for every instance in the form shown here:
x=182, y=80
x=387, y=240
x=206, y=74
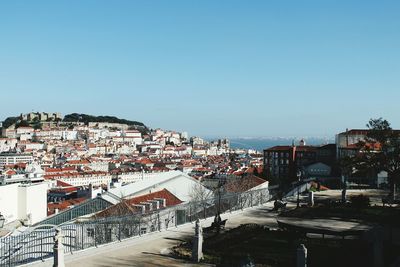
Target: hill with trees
x=74, y=117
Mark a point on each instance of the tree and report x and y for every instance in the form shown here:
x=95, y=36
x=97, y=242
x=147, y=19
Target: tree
x=200, y=193
x=200, y=198
x=37, y=126
x=22, y=123
x=10, y=121
x=381, y=150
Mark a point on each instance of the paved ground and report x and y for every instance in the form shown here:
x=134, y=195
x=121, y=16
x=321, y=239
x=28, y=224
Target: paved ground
x=374, y=195
x=331, y=225
x=153, y=249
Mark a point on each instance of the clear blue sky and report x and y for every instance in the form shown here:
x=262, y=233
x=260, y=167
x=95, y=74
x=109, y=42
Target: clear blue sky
x=229, y=68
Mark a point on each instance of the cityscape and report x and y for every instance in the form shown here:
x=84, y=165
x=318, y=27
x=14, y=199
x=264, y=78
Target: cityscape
x=212, y=133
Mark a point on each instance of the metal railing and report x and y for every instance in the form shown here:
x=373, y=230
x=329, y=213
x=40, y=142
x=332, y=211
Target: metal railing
x=298, y=188
x=92, y=232
x=88, y=207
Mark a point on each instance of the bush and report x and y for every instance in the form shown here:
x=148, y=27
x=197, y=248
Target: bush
x=359, y=201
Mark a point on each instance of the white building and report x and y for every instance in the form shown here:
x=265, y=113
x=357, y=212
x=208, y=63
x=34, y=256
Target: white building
x=12, y=158
x=185, y=135
x=25, y=131
x=86, y=179
x=34, y=146
x=178, y=183
x=6, y=144
x=99, y=165
x=197, y=141
x=350, y=137
x=26, y=202
x=102, y=125
x=97, y=134
x=33, y=174
x=52, y=134
x=70, y=135
x=133, y=177
x=199, y=152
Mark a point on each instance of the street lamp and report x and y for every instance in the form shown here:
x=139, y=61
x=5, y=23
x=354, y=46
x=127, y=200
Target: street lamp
x=298, y=187
x=219, y=197
x=2, y=220
x=217, y=218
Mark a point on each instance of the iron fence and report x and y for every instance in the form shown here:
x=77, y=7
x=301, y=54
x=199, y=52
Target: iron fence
x=87, y=207
x=92, y=232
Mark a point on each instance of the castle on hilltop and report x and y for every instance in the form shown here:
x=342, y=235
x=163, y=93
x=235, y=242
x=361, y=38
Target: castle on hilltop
x=41, y=116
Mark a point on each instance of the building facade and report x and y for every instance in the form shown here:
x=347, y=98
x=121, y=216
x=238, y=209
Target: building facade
x=14, y=158
x=287, y=163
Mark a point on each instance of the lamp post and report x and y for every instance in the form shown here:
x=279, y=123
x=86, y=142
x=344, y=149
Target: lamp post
x=217, y=218
x=298, y=187
x=2, y=220
x=219, y=197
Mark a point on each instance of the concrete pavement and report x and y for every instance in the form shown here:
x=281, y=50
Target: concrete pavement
x=152, y=249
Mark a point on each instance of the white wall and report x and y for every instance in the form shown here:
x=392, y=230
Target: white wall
x=86, y=180
x=261, y=186
x=19, y=200
x=33, y=202
x=180, y=186
x=9, y=202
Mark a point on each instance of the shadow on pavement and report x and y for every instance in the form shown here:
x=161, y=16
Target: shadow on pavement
x=175, y=239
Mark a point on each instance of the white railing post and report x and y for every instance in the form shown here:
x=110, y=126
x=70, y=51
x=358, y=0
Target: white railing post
x=58, y=249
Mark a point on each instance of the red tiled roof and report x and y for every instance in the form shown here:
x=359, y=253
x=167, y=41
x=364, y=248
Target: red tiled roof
x=65, y=169
x=10, y=172
x=244, y=184
x=127, y=207
x=145, y=161
x=61, y=183
x=171, y=199
x=64, y=188
x=306, y=148
x=356, y=132
x=279, y=148
x=78, y=162
x=51, y=207
x=16, y=166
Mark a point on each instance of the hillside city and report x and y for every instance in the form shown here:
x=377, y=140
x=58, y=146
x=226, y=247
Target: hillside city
x=199, y=133
x=70, y=157
x=58, y=171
